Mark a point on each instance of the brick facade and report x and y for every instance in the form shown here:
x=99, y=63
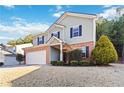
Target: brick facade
x=47, y=48
x=80, y=45
x=38, y=48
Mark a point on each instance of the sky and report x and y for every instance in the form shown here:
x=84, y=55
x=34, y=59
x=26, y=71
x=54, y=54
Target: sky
x=19, y=21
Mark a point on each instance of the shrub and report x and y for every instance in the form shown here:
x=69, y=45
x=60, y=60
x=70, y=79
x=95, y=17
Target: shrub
x=20, y=58
x=74, y=55
x=1, y=63
x=104, y=52
x=54, y=63
x=57, y=63
x=80, y=63
x=73, y=63
x=84, y=63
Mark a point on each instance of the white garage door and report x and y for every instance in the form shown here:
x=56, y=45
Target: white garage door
x=38, y=57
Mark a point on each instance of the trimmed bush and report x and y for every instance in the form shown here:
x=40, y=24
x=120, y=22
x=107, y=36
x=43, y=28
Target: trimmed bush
x=57, y=63
x=53, y=62
x=104, y=52
x=80, y=63
x=83, y=63
x=73, y=63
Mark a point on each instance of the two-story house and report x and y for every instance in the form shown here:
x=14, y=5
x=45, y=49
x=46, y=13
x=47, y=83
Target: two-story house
x=70, y=31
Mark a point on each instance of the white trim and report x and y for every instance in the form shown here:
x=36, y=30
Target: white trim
x=57, y=38
x=53, y=37
x=94, y=31
x=54, y=25
x=55, y=44
x=61, y=53
x=91, y=16
x=47, y=31
x=58, y=25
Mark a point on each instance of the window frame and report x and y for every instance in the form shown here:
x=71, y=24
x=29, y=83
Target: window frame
x=56, y=34
x=40, y=40
x=76, y=31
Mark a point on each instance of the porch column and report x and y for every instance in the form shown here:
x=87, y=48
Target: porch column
x=61, y=53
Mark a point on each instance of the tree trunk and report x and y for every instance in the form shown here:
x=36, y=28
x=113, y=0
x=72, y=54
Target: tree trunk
x=123, y=54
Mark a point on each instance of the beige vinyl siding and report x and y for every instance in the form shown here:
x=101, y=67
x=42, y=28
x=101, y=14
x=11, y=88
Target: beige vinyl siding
x=56, y=29
x=87, y=29
x=45, y=39
x=35, y=41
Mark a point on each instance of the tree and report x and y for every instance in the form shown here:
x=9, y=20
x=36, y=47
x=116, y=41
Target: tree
x=117, y=36
x=28, y=38
x=20, y=58
x=12, y=42
x=103, y=27
x=104, y=52
x=19, y=41
x=114, y=29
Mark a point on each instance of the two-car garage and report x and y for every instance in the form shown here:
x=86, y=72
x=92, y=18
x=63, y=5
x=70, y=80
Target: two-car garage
x=37, y=55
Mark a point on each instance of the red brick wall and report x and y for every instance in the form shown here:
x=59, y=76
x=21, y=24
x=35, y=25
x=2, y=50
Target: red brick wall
x=80, y=45
x=46, y=47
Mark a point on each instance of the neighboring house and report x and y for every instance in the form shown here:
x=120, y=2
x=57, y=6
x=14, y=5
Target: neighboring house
x=8, y=53
x=7, y=57
x=10, y=48
x=18, y=49
x=70, y=31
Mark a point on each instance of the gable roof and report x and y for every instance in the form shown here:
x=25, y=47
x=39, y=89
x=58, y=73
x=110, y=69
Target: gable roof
x=5, y=52
x=57, y=22
x=83, y=15
x=53, y=25
x=54, y=39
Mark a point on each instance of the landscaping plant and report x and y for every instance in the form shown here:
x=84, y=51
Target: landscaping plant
x=57, y=63
x=104, y=52
x=74, y=55
x=74, y=63
x=20, y=58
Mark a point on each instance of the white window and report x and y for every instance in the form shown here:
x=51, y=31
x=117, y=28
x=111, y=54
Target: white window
x=75, y=32
x=41, y=40
x=56, y=34
x=83, y=51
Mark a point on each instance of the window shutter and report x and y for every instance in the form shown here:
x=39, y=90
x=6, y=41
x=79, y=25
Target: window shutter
x=58, y=34
x=71, y=32
x=42, y=39
x=37, y=40
x=80, y=30
x=87, y=51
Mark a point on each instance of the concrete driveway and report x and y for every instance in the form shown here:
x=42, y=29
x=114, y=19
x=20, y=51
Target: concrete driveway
x=10, y=73
x=60, y=76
